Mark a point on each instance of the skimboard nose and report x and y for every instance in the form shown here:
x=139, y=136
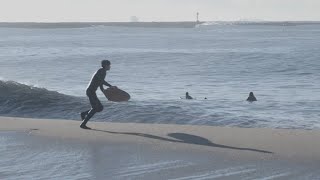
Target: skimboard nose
x=116, y=95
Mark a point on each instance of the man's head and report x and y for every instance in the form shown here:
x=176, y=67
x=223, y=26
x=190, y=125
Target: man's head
x=106, y=64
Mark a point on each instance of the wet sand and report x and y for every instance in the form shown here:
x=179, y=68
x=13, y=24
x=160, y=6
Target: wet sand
x=159, y=151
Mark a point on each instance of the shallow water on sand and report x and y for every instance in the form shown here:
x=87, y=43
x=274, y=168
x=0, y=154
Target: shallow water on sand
x=29, y=157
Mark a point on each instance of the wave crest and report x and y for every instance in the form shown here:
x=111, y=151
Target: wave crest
x=18, y=99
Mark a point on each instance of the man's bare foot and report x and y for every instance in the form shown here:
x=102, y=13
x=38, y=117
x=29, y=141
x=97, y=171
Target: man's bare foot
x=84, y=127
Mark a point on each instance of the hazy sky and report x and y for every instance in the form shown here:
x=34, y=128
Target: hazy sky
x=157, y=10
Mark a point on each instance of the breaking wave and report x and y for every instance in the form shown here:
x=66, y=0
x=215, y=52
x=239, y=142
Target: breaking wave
x=20, y=100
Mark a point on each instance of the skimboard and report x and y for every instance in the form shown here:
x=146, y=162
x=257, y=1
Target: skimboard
x=116, y=95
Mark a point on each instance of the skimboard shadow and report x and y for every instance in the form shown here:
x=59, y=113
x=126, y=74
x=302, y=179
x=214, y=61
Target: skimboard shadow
x=192, y=139
x=185, y=138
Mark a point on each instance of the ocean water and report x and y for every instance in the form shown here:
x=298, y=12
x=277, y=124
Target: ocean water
x=44, y=74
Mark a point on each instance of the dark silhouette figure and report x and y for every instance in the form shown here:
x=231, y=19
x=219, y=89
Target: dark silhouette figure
x=251, y=97
x=187, y=139
x=96, y=81
x=188, y=96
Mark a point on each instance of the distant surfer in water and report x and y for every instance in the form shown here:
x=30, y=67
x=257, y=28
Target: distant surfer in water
x=96, y=81
x=251, y=97
x=188, y=96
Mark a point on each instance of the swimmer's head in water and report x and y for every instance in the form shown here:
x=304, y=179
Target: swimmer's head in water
x=105, y=64
x=251, y=97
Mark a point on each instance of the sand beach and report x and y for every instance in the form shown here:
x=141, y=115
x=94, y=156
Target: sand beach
x=165, y=151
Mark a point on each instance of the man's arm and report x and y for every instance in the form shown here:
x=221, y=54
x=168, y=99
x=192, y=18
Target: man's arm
x=101, y=87
x=100, y=75
x=107, y=84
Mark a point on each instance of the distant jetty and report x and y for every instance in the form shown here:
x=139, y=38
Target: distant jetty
x=181, y=24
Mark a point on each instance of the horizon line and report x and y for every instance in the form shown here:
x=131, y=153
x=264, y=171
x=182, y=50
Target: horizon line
x=158, y=21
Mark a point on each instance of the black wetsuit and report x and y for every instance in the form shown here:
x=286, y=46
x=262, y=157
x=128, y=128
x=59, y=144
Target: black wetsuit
x=188, y=97
x=97, y=80
x=251, y=98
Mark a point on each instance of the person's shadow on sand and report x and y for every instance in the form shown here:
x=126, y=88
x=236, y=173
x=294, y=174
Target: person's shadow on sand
x=185, y=138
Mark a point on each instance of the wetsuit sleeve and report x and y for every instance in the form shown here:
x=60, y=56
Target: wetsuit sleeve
x=101, y=87
x=101, y=75
x=107, y=84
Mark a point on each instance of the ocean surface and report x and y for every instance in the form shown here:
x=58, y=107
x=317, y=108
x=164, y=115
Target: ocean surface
x=44, y=74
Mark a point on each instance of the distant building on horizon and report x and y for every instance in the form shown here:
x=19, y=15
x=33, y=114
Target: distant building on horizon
x=134, y=19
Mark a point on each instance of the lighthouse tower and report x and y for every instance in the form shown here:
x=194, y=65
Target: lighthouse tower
x=198, y=17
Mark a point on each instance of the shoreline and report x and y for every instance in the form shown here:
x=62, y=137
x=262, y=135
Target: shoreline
x=147, y=24
x=154, y=151
x=240, y=142
x=44, y=25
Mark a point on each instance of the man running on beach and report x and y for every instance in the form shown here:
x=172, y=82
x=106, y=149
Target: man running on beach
x=96, y=81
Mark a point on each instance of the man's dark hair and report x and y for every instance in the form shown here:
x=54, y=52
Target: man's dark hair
x=105, y=63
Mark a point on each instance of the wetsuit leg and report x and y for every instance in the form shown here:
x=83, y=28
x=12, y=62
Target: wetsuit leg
x=84, y=114
x=96, y=106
